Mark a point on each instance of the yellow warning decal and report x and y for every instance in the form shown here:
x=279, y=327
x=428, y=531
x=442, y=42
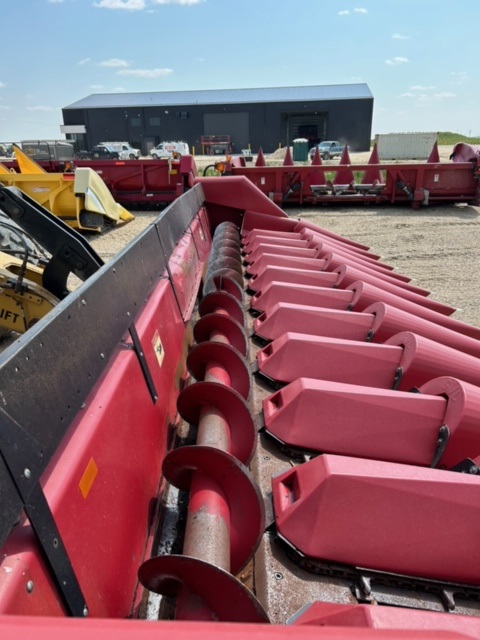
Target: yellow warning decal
x=88, y=478
x=158, y=348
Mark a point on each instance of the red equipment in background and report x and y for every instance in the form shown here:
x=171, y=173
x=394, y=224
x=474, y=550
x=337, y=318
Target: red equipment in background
x=418, y=184
x=136, y=183
x=213, y=145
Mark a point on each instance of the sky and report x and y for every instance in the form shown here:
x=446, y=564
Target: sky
x=419, y=58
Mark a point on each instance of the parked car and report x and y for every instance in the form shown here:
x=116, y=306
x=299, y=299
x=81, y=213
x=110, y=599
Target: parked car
x=328, y=149
x=98, y=152
x=125, y=150
x=168, y=149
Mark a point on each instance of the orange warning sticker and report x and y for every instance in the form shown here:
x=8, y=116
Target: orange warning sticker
x=88, y=478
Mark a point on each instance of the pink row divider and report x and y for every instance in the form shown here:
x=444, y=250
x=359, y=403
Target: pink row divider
x=295, y=293
x=277, y=259
x=329, y=614
x=380, y=515
x=437, y=426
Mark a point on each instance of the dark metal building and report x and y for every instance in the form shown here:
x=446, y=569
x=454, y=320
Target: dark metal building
x=253, y=118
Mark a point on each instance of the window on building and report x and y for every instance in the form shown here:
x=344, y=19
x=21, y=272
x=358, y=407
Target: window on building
x=136, y=122
x=154, y=122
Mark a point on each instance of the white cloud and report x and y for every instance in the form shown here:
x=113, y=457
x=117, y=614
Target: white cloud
x=445, y=94
x=180, y=2
x=41, y=107
x=419, y=87
x=3, y=107
x=396, y=60
x=119, y=89
x=114, y=62
x=54, y=1
x=96, y=87
x=145, y=73
x=408, y=95
x=344, y=12
x=399, y=36
x=360, y=10
x=2, y=84
x=84, y=61
x=126, y=5
x=460, y=76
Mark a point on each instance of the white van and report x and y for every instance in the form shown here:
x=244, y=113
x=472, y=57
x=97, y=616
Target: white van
x=167, y=149
x=125, y=150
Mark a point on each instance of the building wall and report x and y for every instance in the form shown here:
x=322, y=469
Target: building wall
x=349, y=121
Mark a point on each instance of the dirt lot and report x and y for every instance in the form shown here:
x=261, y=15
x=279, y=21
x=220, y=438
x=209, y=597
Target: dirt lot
x=439, y=247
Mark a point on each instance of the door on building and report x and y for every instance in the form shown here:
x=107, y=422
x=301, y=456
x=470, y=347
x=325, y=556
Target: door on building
x=312, y=126
x=235, y=125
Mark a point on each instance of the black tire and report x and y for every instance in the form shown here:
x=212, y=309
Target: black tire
x=132, y=156
x=326, y=156
x=154, y=156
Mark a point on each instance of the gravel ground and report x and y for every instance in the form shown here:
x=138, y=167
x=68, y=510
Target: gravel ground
x=438, y=247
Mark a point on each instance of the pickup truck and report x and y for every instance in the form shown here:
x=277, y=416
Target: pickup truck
x=124, y=149
x=99, y=152
x=328, y=149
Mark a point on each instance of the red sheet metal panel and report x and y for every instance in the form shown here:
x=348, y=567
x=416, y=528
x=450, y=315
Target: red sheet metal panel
x=327, y=614
x=93, y=487
x=394, y=517
x=51, y=629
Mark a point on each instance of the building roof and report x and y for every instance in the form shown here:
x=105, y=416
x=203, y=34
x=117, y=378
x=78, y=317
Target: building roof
x=223, y=96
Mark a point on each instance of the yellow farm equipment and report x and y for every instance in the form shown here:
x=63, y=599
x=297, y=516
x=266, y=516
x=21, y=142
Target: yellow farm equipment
x=81, y=199
x=38, y=253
